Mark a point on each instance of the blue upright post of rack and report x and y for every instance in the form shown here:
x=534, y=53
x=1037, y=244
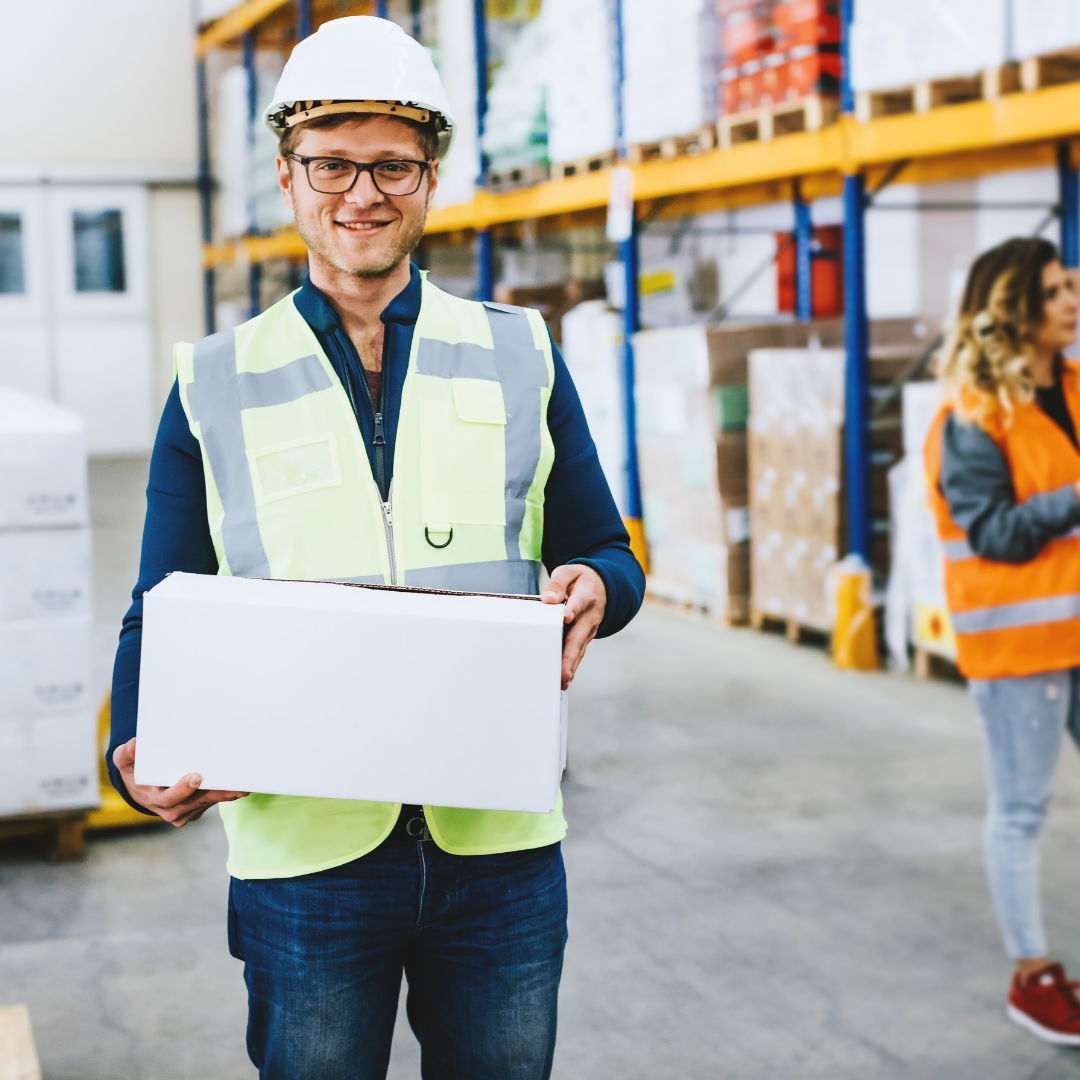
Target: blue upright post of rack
x=254, y=269
x=628, y=255
x=380, y=9
x=1069, y=201
x=206, y=200
x=485, y=242
x=804, y=239
x=856, y=332
x=303, y=19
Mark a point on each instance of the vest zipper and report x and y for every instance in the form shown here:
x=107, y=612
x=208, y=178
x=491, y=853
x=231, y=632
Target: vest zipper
x=388, y=521
x=379, y=442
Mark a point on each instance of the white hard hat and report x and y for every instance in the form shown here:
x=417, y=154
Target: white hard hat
x=360, y=64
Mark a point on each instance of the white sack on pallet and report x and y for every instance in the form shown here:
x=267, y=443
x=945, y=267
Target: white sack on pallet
x=671, y=67
x=580, y=78
x=48, y=762
x=1045, y=26
x=515, y=125
x=592, y=346
x=44, y=573
x=42, y=463
x=895, y=43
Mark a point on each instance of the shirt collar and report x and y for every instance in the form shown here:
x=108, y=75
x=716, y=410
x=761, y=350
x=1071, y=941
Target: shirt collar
x=312, y=304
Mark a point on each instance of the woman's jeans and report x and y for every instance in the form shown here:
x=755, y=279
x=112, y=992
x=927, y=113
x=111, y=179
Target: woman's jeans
x=1025, y=721
x=480, y=939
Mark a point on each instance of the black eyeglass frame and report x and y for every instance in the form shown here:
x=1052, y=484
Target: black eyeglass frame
x=365, y=167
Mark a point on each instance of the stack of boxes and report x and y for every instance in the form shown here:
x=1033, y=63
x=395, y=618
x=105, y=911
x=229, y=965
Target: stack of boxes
x=48, y=730
x=777, y=51
x=796, y=455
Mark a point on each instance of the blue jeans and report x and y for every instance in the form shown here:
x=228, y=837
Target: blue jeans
x=1025, y=720
x=480, y=939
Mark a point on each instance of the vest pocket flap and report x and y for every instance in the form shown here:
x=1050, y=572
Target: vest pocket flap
x=295, y=467
x=478, y=401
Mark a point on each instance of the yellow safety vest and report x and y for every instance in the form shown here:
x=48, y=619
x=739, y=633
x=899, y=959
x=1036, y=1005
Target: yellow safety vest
x=290, y=494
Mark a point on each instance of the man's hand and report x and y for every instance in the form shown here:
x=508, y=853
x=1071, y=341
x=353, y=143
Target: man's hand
x=179, y=804
x=583, y=590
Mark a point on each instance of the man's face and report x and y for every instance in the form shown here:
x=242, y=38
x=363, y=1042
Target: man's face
x=361, y=232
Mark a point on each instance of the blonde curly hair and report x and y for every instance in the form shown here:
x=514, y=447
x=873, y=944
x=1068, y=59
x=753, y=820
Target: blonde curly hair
x=984, y=365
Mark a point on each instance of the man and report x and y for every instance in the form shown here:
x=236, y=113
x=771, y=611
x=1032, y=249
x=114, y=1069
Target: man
x=373, y=428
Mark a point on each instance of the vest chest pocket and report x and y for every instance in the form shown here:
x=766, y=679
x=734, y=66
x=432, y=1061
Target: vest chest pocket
x=463, y=456
x=295, y=467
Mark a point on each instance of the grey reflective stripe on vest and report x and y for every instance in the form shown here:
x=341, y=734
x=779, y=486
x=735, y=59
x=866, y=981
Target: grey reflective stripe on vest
x=955, y=550
x=1010, y=616
x=216, y=396
x=518, y=578
x=519, y=366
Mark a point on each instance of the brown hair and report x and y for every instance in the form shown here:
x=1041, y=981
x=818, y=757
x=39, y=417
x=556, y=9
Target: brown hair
x=427, y=135
x=985, y=363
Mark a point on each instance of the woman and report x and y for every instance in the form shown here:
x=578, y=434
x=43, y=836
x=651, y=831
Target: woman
x=1004, y=471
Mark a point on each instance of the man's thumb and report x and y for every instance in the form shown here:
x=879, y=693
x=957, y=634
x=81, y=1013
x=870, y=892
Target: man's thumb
x=124, y=754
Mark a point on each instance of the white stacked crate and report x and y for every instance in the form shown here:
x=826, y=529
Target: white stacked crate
x=48, y=732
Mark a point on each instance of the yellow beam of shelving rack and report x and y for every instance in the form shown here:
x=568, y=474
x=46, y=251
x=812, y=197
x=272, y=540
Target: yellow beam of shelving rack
x=235, y=22
x=953, y=142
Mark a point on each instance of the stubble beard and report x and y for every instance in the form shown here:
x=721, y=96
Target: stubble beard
x=405, y=246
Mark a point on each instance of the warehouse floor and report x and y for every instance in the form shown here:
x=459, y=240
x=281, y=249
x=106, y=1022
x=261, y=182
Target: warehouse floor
x=774, y=871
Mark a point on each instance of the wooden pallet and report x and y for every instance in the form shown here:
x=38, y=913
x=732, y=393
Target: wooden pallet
x=929, y=665
x=63, y=832
x=927, y=94
x=1051, y=70
x=795, y=631
x=578, y=166
x=512, y=179
x=787, y=118
x=697, y=142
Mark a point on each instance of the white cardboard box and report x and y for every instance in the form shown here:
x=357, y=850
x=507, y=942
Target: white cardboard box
x=48, y=762
x=44, y=573
x=45, y=665
x=352, y=692
x=42, y=463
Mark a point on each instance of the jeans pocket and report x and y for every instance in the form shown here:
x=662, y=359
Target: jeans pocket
x=234, y=939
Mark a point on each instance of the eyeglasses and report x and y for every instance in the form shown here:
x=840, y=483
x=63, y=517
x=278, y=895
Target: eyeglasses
x=335, y=176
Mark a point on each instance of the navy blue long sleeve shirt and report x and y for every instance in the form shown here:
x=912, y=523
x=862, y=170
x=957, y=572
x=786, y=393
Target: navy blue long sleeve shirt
x=581, y=522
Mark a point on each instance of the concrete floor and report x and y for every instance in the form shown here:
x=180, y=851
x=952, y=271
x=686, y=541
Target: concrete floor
x=774, y=871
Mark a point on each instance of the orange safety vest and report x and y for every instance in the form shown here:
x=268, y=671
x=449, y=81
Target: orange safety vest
x=1014, y=619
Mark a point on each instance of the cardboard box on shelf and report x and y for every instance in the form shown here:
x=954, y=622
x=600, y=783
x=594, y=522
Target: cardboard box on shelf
x=44, y=573
x=45, y=664
x=42, y=463
x=484, y=728
x=48, y=762
x=796, y=418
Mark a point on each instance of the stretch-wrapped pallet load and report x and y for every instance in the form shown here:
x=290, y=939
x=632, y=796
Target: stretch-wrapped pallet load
x=580, y=84
x=774, y=51
x=915, y=610
x=1045, y=26
x=48, y=730
x=592, y=346
x=898, y=43
x=671, y=63
x=796, y=446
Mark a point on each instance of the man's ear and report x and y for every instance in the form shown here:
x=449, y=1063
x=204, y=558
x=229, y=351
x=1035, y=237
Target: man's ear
x=284, y=179
x=433, y=180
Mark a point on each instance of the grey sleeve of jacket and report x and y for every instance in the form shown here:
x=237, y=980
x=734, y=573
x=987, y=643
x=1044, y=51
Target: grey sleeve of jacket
x=977, y=484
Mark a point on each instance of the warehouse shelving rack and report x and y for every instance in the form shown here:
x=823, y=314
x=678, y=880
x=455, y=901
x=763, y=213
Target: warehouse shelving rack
x=1025, y=129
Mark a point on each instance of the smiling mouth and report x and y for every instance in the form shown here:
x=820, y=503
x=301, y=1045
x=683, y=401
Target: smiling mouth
x=362, y=226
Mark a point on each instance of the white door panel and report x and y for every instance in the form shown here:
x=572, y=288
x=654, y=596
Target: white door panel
x=106, y=374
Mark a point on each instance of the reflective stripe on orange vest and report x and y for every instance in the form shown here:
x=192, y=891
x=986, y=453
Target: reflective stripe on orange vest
x=1015, y=619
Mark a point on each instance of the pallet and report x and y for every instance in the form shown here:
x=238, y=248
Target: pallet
x=18, y=1055
x=698, y=142
x=512, y=179
x=786, y=118
x=929, y=665
x=593, y=163
x=1052, y=69
x=792, y=629
x=64, y=832
x=928, y=94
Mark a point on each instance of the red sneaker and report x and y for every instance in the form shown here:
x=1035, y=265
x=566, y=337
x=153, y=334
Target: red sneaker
x=1047, y=1006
